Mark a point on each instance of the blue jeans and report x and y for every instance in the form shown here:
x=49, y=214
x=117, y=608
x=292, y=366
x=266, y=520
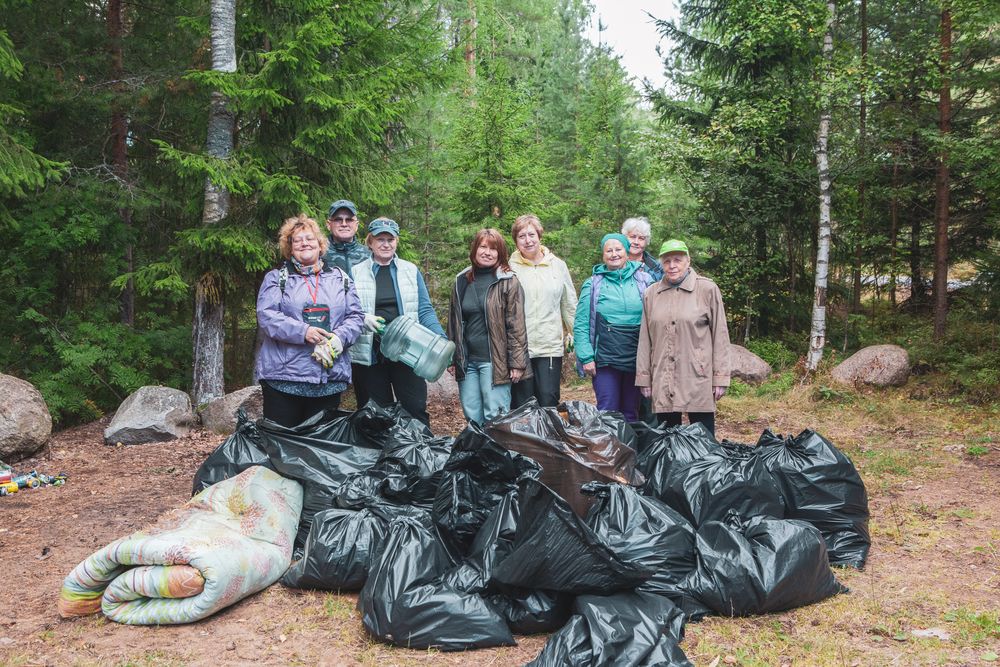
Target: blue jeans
x=481, y=400
x=616, y=390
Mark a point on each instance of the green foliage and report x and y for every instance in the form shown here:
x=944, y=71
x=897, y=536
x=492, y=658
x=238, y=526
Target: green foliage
x=777, y=385
x=773, y=352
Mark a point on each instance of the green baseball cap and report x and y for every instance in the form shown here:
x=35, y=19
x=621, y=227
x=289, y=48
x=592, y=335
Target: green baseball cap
x=674, y=245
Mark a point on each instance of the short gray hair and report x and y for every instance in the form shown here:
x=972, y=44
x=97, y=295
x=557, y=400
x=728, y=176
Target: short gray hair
x=640, y=225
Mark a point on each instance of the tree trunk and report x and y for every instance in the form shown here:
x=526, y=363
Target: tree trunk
x=943, y=182
x=119, y=148
x=817, y=335
x=207, y=331
x=470, y=41
x=862, y=152
x=893, y=223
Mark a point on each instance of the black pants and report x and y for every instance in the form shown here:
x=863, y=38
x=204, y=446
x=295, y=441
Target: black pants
x=544, y=386
x=388, y=382
x=674, y=419
x=289, y=410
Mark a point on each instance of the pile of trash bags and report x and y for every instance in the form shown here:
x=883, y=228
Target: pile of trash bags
x=571, y=521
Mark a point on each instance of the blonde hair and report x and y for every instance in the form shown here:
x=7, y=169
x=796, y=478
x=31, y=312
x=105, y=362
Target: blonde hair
x=292, y=225
x=523, y=221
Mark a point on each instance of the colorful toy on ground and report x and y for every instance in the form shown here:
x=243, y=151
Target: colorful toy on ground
x=229, y=541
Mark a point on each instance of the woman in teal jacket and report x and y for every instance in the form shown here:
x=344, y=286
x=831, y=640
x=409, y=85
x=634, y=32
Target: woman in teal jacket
x=606, y=327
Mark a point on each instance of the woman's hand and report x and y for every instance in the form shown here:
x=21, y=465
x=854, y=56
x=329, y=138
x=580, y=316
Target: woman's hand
x=451, y=370
x=590, y=369
x=647, y=392
x=516, y=374
x=718, y=392
x=315, y=335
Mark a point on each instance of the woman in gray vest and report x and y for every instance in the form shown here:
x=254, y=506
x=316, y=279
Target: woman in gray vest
x=389, y=287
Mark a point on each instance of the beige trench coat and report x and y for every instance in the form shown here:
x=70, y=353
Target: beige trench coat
x=683, y=345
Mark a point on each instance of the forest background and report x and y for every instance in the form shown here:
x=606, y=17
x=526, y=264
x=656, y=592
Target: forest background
x=453, y=115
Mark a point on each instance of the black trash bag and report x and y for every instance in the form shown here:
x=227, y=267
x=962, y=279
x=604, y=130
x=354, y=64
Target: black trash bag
x=759, y=566
x=555, y=550
x=372, y=426
x=339, y=550
x=642, y=530
x=476, y=477
x=414, y=466
x=493, y=542
x=662, y=449
x=238, y=452
x=405, y=603
x=821, y=486
x=343, y=544
x=626, y=629
x=581, y=449
x=707, y=488
x=304, y=453
x=586, y=416
x=532, y=612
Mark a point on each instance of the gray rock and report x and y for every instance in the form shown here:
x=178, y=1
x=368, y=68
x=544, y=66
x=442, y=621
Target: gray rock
x=878, y=365
x=151, y=414
x=444, y=390
x=25, y=422
x=747, y=366
x=219, y=416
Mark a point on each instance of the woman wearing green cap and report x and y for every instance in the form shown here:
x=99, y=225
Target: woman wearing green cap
x=606, y=327
x=683, y=355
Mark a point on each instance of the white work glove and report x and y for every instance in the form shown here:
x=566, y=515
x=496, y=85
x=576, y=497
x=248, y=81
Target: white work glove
x=569, y=343
x=374, y=324
x=336, y=345
x=323, y=354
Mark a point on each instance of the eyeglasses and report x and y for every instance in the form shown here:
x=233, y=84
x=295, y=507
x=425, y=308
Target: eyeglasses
x=342, y=219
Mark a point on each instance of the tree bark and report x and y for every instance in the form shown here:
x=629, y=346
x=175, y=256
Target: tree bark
x=943, y=184
x=862, y=151
x=119, y=148
x=207, y=332
x=470, y=41
x=817, y=334
x=893, y=223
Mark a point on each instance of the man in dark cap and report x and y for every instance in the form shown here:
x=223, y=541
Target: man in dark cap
x=344, y=250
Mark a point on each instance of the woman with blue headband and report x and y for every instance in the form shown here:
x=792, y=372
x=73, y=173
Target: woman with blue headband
x=606, y=327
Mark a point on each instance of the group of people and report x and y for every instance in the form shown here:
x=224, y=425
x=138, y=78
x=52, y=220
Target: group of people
x=649, y=331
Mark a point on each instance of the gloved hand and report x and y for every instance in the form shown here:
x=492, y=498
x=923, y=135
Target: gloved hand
x=374, y=323
x=569, y=343
x=323, y=354
x=336, y=345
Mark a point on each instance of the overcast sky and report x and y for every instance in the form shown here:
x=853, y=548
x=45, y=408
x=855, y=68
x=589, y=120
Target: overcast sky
x=632, y=34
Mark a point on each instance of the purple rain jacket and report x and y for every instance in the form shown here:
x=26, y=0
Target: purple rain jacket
x=284, y=354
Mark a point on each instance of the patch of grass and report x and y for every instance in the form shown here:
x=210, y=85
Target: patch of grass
x=972, y=627
x=826, y=394
x=977, y=450
x=776, y=385
x=738, y=389
x=152, y=659
x=338, y=607
x=964, y=513
x=887, y=461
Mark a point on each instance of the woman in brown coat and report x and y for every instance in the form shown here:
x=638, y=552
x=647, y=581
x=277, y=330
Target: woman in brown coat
x=486, y=323
x=683, y=357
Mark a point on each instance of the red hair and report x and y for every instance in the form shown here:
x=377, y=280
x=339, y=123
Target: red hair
x=493, y=239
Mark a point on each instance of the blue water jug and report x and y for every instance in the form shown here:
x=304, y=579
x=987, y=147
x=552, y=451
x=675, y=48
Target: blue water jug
x=410, y=342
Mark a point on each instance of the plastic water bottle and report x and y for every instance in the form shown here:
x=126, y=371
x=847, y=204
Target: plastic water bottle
x=410, y=342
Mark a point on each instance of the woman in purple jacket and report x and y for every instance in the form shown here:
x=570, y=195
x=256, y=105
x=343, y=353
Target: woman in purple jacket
x=309, y=314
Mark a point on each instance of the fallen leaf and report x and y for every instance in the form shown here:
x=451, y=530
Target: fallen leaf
x=989, y=656
x=900, y=636
x=282, y=638
x=729, y=660
x=715, y=662
x=938, y=633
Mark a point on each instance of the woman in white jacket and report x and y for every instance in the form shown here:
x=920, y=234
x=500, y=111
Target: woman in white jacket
x=549, y=309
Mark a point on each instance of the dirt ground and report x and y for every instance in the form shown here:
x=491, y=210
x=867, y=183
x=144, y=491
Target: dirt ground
x=933, y=477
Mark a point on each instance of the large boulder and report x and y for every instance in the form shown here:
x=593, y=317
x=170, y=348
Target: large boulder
x=219, y=416
x=747, y=366
x=878, y=365
x=151, y=414
x=25, y=422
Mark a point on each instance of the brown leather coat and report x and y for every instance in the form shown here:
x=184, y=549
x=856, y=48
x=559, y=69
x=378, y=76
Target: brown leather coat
x=504, y=323
x=683, y=345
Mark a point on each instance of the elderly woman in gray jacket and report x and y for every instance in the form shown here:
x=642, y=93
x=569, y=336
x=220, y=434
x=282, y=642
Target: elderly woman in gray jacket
x=309, y=314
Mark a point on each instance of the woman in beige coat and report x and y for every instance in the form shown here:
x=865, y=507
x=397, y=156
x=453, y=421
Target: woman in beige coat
x=683, y=358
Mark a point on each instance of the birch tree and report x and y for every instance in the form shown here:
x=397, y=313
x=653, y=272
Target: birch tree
x=817, y=334
x=207, y=330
